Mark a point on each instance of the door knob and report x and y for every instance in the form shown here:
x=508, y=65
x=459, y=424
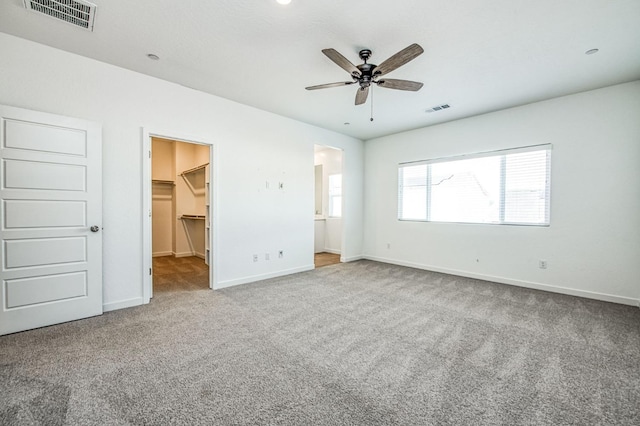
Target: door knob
x=95, y=228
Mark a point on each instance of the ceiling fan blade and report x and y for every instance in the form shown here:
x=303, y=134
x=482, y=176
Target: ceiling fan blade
x=361, y=95
x=326, y=86
x=341, y=61
x=399, y=59
x=391, y=83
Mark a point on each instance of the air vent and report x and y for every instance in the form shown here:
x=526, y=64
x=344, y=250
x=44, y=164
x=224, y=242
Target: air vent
x=75, y=12
x=438, y=108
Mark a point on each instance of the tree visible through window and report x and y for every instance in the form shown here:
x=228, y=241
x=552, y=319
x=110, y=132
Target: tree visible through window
x=502, y=187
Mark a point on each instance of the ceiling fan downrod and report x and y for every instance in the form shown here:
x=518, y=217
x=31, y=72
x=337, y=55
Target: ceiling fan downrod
x=366, y=70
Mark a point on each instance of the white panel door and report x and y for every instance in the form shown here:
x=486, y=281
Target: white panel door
x=51, y=230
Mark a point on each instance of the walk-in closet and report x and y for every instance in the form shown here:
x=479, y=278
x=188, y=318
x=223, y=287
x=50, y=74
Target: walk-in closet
x=180, y=212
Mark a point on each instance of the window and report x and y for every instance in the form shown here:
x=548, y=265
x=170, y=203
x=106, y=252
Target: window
x=335, y=195
x=501, y=187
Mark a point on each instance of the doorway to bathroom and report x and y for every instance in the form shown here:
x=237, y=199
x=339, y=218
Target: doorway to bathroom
x=329, y=200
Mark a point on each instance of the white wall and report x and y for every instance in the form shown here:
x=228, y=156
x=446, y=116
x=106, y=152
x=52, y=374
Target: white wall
x=252, y=145
x=593, y=244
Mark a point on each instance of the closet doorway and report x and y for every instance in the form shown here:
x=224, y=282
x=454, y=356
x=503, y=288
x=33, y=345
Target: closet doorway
x=180, y=215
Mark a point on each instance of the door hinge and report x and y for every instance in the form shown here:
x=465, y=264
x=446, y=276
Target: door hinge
x=149, y=271
x=149, y=154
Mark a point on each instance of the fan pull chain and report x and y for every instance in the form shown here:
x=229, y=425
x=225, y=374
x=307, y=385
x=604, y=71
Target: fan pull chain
x=371, y=103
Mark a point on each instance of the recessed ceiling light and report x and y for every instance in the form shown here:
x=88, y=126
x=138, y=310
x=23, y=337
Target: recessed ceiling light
x=591, y=51
x=284, y=1
x=153, y=56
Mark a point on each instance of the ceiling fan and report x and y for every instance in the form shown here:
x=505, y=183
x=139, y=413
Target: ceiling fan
x=365, y=74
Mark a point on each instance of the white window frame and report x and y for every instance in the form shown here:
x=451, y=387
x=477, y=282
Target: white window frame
x=499, y=153
x=333, y=195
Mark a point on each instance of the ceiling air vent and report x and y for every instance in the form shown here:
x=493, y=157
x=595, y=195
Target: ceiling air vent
x=77, y=12
x=438, y=108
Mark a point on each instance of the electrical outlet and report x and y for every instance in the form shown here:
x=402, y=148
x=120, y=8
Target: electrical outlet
x=542, y=264
x=281, y=254
x=266, y=256
x=255, y=257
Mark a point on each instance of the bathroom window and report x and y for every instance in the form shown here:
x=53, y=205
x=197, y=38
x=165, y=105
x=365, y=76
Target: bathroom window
x=335, y=195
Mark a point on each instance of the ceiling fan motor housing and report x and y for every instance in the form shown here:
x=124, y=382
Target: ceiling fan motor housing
x=366, y=74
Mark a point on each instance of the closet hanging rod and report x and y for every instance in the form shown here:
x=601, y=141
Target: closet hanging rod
x=195, y=169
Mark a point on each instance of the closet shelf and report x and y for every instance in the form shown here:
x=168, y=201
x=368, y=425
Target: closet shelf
x=195, y=169
x=163, y=182
x=193, y=217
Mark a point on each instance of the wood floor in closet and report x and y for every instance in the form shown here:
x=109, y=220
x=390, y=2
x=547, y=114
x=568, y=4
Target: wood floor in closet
x=326, y=259
x=179, y=274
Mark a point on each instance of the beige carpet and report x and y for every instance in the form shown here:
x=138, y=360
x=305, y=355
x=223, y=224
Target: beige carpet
x=361, y=343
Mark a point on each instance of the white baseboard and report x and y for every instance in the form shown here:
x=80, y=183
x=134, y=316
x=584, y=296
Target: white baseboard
x=121, y=304
x=332, y=251
x=351, y=258
x=162, y=253
x=254, y=278
x=184, y=254
x=519, y=283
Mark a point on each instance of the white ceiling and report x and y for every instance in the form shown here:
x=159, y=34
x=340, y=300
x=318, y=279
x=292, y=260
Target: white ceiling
x=480, y=56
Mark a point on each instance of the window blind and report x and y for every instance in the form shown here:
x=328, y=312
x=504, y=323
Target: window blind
x=500, y=187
